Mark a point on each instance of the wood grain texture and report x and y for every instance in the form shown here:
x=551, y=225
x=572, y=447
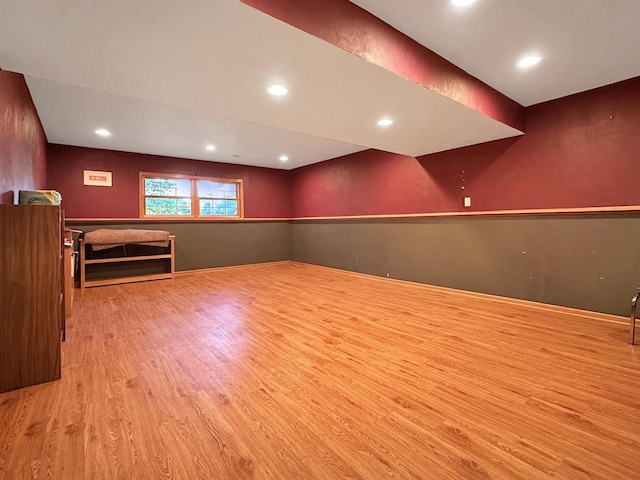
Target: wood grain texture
x=487, y=213
x=31, y=295
x=108, y=221
x=284, y=371
x=119, y=277
x=68, y=280
x=617, y=209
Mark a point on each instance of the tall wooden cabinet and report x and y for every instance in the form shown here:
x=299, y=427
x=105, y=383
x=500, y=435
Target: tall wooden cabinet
x=31, y=295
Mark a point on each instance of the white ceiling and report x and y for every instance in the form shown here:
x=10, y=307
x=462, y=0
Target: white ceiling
x=584, y=44
x=169, y=77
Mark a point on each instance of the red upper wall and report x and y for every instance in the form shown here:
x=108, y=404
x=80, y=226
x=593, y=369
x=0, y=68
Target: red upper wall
x=266, y=191
x=365, y=183
x=22, y=139
x=579, y=151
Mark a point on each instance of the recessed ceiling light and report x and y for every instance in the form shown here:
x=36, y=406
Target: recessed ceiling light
x=277, y=90
x=529, y=61
x=103, y=132
x=211, y=148
x=283, y=158
x=385, y=122
x=462, y=3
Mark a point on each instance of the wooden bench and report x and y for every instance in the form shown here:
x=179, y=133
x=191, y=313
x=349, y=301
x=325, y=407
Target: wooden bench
x=88, y=263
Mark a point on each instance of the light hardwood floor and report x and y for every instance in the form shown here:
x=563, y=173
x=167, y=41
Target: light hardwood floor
x=289, y=371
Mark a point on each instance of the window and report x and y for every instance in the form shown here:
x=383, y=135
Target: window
x=181, y=196
x=217, y=198
x=167, y=196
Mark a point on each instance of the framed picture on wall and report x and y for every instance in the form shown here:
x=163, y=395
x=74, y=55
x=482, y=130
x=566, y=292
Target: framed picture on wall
x=97, y=178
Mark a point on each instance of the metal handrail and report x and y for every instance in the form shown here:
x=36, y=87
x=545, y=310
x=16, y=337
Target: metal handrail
x=634, y=305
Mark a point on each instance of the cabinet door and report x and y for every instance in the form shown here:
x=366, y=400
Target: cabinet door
x=30, y=302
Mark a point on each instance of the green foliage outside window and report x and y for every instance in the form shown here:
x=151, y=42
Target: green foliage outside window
x=168, y=206
x=217, y=198
x=167, y=187
x=175, y=197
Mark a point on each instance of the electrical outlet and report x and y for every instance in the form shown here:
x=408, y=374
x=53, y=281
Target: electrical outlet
x=467, y=201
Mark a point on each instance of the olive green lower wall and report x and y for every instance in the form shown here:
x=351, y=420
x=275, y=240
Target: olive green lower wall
x=588, y=262
x=208, y=244
x=591, y=262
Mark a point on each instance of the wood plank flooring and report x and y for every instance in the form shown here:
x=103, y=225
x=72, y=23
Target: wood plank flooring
x=289, y=371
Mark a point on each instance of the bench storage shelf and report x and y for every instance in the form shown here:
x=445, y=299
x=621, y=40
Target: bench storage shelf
x=116, y=266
